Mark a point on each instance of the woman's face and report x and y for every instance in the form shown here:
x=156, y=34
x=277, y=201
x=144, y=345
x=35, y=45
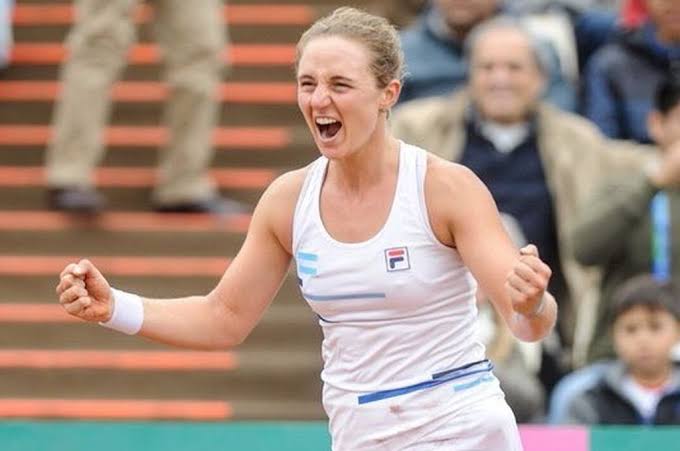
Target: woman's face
x=339, y=96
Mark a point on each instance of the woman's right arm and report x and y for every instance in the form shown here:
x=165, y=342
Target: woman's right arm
x=224, y=317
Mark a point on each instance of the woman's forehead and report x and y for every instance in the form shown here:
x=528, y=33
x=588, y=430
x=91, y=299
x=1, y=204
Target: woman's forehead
x=333, y=54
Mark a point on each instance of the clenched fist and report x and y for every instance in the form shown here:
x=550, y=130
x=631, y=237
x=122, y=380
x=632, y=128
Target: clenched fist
x=84, y=292
x=527, y=281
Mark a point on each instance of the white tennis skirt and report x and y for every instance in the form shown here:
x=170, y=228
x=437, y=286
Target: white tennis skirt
x=466, y=414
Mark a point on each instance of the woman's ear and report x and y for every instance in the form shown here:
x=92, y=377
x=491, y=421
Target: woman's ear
x=390, y=95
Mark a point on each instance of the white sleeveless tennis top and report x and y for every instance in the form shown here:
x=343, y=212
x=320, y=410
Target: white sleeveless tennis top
x=395, y=309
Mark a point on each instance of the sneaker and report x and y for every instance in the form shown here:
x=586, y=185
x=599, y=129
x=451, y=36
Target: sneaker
x=215, y=205
x=75, y=200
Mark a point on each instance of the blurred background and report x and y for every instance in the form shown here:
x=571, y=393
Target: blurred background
x=101, y=103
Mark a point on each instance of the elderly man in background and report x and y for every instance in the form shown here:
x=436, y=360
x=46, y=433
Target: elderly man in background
x=435, y=58
x=539, y=162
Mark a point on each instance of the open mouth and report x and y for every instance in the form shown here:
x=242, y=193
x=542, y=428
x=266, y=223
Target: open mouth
x=328, y=127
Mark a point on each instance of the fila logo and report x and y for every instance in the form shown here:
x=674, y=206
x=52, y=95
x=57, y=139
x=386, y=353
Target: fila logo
x=396, y=259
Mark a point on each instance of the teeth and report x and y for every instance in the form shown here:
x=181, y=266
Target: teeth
x=325, y=120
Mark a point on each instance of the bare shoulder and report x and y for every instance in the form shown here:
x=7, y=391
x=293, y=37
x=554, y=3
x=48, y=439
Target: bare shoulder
x=445, y=178
x=452, y=193
x=276, y=207
x=286, y=187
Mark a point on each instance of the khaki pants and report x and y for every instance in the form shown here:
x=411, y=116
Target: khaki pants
x=191, y=36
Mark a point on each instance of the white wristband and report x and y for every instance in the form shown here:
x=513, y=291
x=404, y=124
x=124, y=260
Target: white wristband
x=128, y=313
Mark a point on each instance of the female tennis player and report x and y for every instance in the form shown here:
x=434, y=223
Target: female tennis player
x=389, y=243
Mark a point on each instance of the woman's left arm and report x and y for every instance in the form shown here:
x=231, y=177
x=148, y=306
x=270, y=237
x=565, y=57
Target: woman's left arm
x=515, y=280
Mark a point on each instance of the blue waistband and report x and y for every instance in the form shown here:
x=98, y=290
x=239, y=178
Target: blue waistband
x=481, y=366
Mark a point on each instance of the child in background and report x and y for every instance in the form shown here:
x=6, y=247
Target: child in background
x=642, y=386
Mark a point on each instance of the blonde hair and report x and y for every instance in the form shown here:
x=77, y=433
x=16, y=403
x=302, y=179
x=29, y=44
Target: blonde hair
x=374, y=32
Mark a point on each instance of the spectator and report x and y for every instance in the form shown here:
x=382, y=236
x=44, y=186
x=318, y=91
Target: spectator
x=643, y=385
x=538, y=161
x=621, y=78
x=594, y=22
x=434, y=51
x=192, y=39
x=6, y=7
x=625, y=226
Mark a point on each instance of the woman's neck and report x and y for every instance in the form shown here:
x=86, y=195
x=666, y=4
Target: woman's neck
x=365, y=167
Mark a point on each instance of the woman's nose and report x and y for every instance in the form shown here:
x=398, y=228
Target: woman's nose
x=320, y=97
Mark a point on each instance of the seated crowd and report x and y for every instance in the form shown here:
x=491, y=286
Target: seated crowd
x=569, y=111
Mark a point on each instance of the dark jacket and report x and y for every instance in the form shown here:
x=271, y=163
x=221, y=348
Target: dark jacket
x=606, y=403
x=621, y=80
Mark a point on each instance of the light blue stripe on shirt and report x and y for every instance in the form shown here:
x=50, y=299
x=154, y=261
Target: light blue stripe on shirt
x=307, y=270
x=308, y=257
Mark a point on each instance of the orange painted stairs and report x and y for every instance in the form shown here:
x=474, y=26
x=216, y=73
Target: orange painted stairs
x=151, y=91
x=42, y=265
x=64, y=13
x=41, y=359
x=23, y=312
x=32, y=220
x=46, y=53
x=136, y=177
x=119, y=409
x=150, y=136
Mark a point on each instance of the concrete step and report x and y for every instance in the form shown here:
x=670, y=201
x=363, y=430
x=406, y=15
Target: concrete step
x=134, y=136
x=175, y=245
x=143, y=92
x=151, y=114
x=281, y=73
x=150, y=409
x=246, y=23
x=258, y=55
x=142, y=103
x=276, y=331
x=114, y=409
x=238, y=33
x=119, y=199
x=57, y=13
x=39, y=287
x=261, y=374
x=140, y=177
x=120, y=360
x=287, y=157
x=183, y=224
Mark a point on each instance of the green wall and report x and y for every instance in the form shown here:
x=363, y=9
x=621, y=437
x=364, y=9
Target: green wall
x=279, y=436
